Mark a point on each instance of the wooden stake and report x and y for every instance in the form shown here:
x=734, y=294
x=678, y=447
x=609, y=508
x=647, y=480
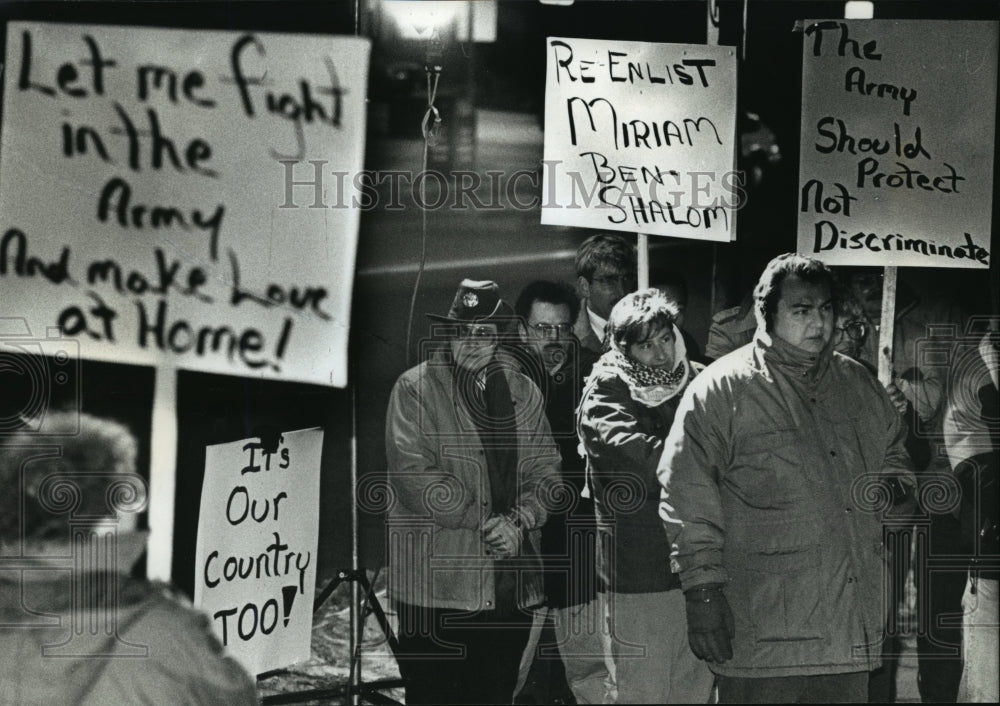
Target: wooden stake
x=162, y=475
x=887, y=326
x=642, y=250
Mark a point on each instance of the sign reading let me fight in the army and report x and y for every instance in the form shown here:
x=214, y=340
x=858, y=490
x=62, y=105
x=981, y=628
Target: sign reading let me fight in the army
x=146, y=195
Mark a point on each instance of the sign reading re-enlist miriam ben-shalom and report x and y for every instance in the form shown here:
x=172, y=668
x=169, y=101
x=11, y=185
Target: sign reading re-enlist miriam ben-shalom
x=897, y=142
x=640, y=137
x=156, y=202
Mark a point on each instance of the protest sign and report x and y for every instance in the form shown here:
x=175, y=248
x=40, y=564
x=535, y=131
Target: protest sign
x=255, y=560
x=162, y=198
x=640, y=137
x=896, y=160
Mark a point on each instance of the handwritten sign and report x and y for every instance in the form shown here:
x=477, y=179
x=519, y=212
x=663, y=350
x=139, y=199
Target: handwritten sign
x=640, y=137
x=255, y=558
x=896, y=162
x=161, y=200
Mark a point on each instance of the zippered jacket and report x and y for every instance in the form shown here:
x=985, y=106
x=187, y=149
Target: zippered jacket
x=774, y=486
x=439, y=491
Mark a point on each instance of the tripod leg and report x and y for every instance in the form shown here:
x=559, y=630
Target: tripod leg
x=328, y=590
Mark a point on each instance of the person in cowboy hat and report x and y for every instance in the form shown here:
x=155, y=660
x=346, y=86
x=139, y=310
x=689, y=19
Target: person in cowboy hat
x=471, y=462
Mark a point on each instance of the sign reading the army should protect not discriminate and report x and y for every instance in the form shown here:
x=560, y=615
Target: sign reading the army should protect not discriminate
x=896, y=163
x=640, y=137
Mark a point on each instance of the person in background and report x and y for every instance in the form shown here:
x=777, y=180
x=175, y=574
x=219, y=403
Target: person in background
x=925, y=322
x=851, y=332
x=731, y=328
x=781, y=461
x=471, y=463
x=554, y=360
x=972, y=438
x=605, y=271
x=628, y=404
x=674, y=288
x=76, y=627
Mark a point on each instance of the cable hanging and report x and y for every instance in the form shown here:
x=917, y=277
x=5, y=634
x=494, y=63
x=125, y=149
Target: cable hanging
x=429, y=127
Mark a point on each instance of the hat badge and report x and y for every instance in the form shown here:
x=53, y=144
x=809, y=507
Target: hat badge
x=470, y=300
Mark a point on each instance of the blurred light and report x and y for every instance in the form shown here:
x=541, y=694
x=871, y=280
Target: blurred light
x=418, y=19
x=859, y=10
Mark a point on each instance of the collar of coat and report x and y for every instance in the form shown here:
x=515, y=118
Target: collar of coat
x=779, y=352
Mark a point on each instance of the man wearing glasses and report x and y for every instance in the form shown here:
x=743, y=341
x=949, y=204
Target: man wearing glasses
x=470, y=465
x=605, y=272
x=553, y=358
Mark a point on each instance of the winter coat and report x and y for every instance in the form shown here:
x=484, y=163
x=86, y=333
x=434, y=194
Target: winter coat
x=440, y=492
x=623, y=440
x=568, y=537
x=972, y=436
x=163, y=650
x=772, y=486
x=584, y=332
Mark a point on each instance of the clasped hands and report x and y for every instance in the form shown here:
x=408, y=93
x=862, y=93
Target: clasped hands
x=502, y=535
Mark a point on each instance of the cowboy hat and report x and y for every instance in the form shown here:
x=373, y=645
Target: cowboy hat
x=476, y=301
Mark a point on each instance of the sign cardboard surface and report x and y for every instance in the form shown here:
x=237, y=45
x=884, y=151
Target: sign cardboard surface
x=896, y=161
x=640, y=137
x=255, y=561
x=157, y=196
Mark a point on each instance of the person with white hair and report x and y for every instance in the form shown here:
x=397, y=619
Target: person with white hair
x=75, y=627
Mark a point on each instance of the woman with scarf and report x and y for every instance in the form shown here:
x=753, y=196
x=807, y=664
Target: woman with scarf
x=471, y=464
x=626, y=410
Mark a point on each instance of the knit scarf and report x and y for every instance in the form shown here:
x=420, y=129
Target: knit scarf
x=489, y=401
x=648, y=386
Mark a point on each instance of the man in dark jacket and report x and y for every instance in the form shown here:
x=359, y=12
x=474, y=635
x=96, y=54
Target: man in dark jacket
x=781, y=461
x=605, y=272
x=553, y=358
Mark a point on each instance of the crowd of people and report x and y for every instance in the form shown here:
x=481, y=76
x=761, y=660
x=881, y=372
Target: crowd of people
x=583, y=512
x=587, y=509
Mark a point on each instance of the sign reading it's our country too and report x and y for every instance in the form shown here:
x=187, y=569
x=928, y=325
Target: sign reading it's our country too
x=255, y=556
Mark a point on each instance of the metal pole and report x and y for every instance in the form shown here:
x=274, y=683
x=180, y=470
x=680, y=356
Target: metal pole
x=357, y=624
